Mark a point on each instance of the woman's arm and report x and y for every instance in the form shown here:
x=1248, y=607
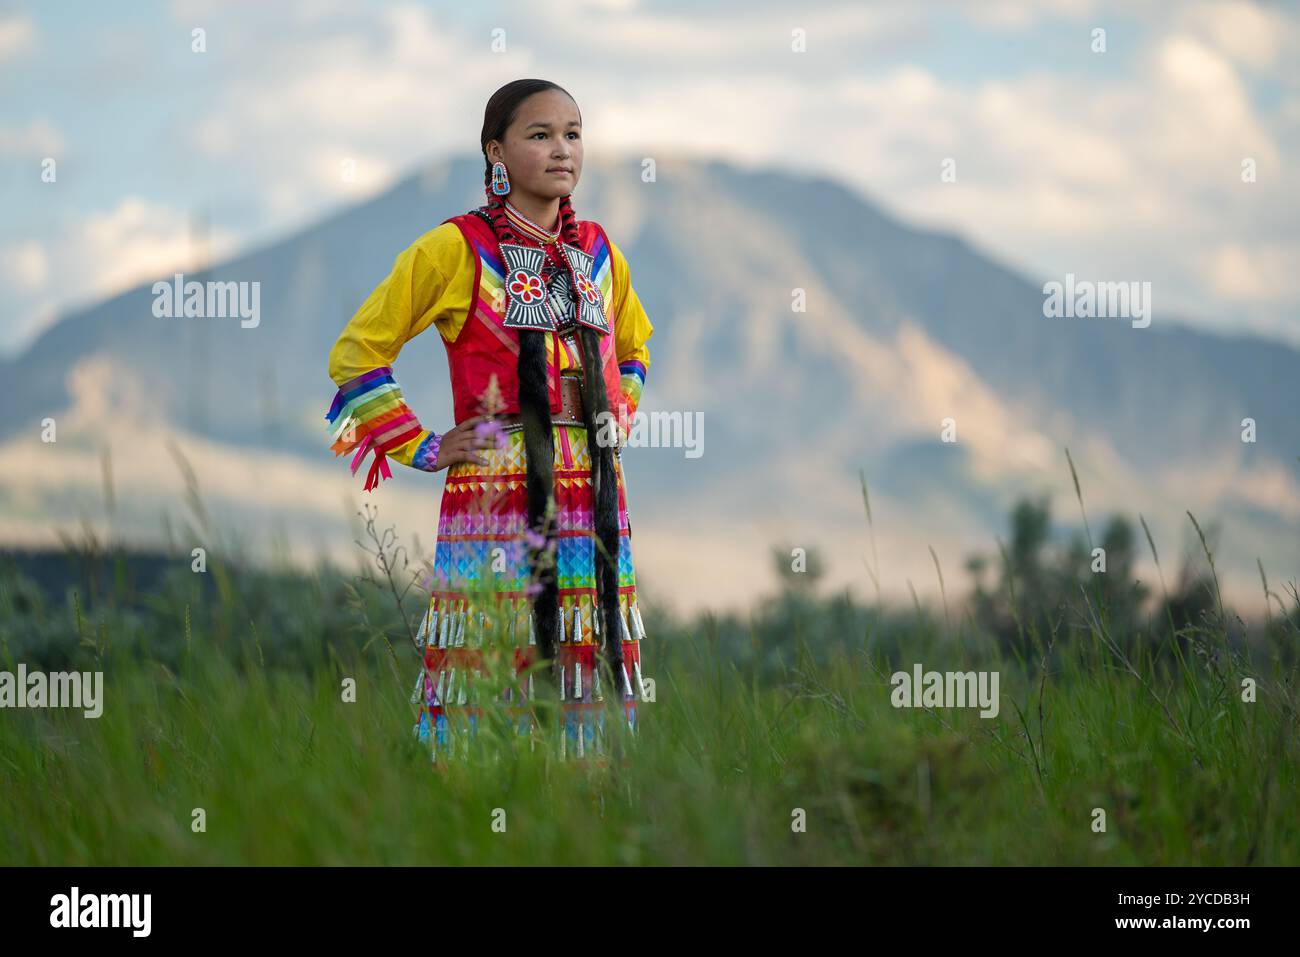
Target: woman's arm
x=369, y=412
x=632, y=330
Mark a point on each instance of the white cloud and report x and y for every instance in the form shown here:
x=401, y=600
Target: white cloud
x=134, y=241
x=1019, y=14
x=1252, y=36
x=108, y=252
x=1137, y=173
x=17, y=35
x=39, y=138
x=1127, y=175
x=329, y=171
x=1255, y=272
x=303, y=11
x=713, y=36
x=350, y=171
x=1140, y=177
x=386, y=97
x=27, y=265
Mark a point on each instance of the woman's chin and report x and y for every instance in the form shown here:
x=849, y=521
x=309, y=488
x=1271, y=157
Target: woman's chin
x=556, y=187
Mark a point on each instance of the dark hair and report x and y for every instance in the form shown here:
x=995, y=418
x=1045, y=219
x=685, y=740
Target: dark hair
x=502, y=108
x=535, y=412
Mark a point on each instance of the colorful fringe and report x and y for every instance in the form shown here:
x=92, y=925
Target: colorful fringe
x=369, y=414
x=631, y=380
x=481, y=564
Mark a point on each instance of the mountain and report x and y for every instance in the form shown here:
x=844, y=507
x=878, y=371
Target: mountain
x=902, y=329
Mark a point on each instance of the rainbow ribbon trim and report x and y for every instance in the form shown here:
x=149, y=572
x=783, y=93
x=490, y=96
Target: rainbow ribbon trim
x=631, y=380
x=369, y=415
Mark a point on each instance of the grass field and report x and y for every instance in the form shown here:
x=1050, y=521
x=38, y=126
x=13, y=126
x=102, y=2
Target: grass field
x=771, y=740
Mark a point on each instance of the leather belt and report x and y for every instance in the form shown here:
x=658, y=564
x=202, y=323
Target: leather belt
x=570, y=411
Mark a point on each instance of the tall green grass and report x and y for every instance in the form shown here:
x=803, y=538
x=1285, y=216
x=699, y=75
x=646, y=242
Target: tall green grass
x=229, y=700
x=288, y=773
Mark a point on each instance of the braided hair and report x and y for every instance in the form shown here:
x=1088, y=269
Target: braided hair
x=535, y=413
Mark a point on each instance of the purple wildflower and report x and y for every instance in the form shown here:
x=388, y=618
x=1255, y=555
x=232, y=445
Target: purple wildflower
x=491, y=428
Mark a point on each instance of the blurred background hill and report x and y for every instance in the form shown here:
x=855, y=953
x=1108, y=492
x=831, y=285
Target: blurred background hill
x=903, y=328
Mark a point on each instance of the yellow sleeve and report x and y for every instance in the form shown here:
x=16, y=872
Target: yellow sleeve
x=454, y=260
x=369, y=411
x=632, y=330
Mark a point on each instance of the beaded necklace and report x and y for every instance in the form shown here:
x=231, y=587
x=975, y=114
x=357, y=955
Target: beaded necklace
x=554, y=270
x=528, y=227
x=547, y=239
x=532, y=301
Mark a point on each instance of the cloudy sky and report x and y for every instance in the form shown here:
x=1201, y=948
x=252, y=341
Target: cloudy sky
x=1117, y=165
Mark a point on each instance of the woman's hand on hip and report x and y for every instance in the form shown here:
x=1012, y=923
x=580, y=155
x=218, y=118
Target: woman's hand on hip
x=459, y=444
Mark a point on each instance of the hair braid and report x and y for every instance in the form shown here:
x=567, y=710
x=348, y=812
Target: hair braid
x=539, y=448
x=604, y=479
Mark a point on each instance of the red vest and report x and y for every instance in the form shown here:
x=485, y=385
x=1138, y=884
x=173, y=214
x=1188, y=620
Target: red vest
x=485, y=347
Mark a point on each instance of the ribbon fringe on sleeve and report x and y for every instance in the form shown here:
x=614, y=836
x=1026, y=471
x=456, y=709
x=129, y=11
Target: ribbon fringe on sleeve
x=631, y=381
x=369, y=415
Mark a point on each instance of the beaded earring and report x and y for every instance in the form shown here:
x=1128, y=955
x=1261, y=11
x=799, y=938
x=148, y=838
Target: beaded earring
x=500, y=181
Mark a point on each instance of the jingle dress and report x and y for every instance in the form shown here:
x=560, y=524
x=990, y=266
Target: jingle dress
x=452, y=277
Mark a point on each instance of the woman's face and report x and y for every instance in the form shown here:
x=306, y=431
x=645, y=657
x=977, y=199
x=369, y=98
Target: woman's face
x=542, y=149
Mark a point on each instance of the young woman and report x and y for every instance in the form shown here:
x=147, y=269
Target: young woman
x=546, y=344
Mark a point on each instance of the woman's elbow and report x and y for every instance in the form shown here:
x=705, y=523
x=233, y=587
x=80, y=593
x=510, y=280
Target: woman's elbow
x=342, y=365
